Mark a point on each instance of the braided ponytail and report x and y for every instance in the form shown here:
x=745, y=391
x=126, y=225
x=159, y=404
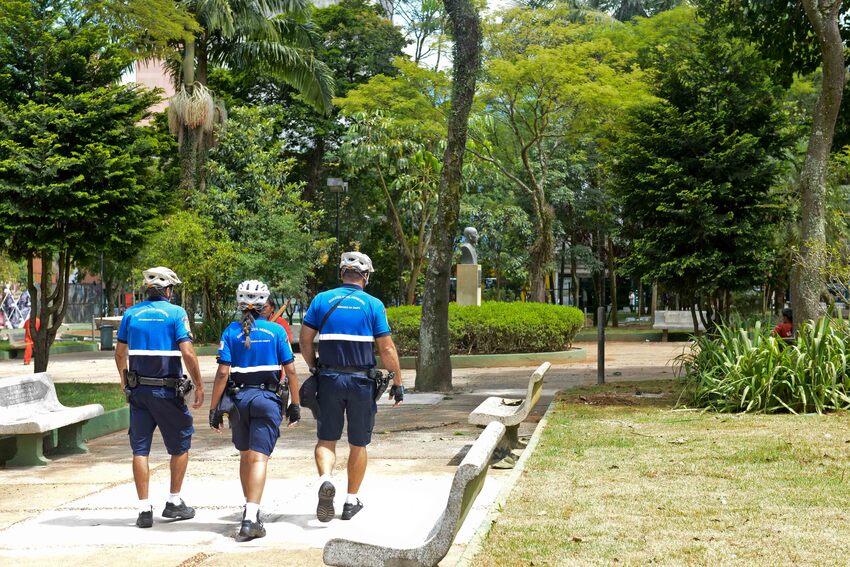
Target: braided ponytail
x=247, y=323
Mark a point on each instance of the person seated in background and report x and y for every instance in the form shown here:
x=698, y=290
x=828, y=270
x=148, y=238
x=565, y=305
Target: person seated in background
x=268, y=311
x=785, y=329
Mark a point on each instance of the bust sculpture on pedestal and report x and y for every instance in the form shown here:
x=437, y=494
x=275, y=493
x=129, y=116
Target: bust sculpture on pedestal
x=469, y=271
x=468, y=254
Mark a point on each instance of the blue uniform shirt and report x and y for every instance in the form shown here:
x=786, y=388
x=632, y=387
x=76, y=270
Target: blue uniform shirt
x=152, y=330
x=348, y=336
x=261, y=363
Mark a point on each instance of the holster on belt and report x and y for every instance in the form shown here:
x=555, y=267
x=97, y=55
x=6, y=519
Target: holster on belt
x=184, y=386
x=131, y=379
x=382, y=382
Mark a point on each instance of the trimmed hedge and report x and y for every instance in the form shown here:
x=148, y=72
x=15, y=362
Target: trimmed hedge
x=494, y=328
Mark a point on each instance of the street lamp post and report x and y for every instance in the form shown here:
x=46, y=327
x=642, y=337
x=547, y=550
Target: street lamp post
x=337, y=186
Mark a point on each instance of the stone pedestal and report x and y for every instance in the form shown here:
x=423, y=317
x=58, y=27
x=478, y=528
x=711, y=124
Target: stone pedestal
x=469, y=284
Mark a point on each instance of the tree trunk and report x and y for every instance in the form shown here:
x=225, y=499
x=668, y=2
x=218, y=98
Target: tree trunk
x=640, y=301
x=561, y=273
x=189, y=138
x=574, y=281
x=612, y=275
x=805, y=291
x=48, y=306
x=434, y=367
x=541, y=252
x=410, y=292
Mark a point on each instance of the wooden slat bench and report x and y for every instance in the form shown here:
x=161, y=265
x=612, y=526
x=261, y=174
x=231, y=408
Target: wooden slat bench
x=510, y=412
x=467, y=483
x=29, y=410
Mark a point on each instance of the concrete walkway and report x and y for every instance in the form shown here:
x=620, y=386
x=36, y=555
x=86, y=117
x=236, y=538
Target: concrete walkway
x=80, y=510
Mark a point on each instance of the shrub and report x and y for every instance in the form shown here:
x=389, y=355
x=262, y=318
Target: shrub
x=751, y=370
x=493, y=328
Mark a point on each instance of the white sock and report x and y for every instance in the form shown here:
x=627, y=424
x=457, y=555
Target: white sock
x=324, y=478
x=352, y=499
x=174, y=498
x=251, y=511
x=145, y=505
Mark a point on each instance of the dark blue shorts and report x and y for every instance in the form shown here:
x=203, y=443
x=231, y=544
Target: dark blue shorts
x=156, y=406
x=258, y=425
x=351, y=395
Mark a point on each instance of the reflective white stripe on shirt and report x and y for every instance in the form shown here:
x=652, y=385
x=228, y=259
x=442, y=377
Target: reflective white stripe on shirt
x=342, y=337
x=238, y=370
x=154, y=353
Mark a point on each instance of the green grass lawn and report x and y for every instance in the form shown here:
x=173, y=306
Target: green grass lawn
x=109, y=396
x=4, y=345
x=628, y=480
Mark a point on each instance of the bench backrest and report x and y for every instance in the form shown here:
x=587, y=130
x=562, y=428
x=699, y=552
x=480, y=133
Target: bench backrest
x=535, y=388
x=467, y=484
x=21, y=396
x=676, y=318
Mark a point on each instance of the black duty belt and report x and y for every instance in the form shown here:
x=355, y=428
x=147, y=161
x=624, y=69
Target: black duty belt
x=347, y=370
x=167, y=382
x=268, y=387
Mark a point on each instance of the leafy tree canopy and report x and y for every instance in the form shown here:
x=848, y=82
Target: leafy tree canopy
x=695, y=172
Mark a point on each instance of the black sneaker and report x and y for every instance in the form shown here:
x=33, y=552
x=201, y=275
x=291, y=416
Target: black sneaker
x=251, y=530
x=145, y=519
x=349, y=509
x=178, y=512
x=325, y=510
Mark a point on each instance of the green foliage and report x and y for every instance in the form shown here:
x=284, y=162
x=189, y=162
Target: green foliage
x=358, y=42
x=694, y=174
x=493, y=328
x=252, y=199
x=73, y=162
x=413, y=98
x=752, y=370
x=781, y=29
x=200, y=253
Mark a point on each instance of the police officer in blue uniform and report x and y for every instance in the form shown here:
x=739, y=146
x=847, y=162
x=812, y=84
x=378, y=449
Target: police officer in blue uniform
x=251, y=355
x=153, y=337
x=349, y=323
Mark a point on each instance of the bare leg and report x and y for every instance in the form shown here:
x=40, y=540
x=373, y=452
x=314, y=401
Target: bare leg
x=255, y=480
x=178, y=471
x=244, y=471
x=141, y=475
x=357, y=460
x=325, y=457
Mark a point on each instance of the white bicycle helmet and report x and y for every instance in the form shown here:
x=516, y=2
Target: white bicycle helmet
x=357, y=261
x=252, y=294
x=160, y=277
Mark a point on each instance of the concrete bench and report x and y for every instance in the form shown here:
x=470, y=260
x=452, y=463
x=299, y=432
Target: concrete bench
x=29, y=410
x=510, y=412
x=676, y=320
x=467, y=483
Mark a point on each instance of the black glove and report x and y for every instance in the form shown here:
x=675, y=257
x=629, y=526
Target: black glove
x=397, y=392
x=216, y=418
x=293, y=413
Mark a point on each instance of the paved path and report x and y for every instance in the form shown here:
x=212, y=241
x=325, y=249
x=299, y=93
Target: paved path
x=80, y=509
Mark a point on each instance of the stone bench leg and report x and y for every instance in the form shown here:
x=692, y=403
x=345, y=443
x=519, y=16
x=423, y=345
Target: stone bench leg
x=508, y=442
x=29, y=451
x=664, y=336
x=71, y=439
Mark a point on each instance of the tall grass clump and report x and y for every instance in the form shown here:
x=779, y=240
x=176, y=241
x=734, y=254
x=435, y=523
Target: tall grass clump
x=751, y=370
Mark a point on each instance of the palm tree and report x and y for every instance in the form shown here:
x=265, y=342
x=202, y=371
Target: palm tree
x=268, y=36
